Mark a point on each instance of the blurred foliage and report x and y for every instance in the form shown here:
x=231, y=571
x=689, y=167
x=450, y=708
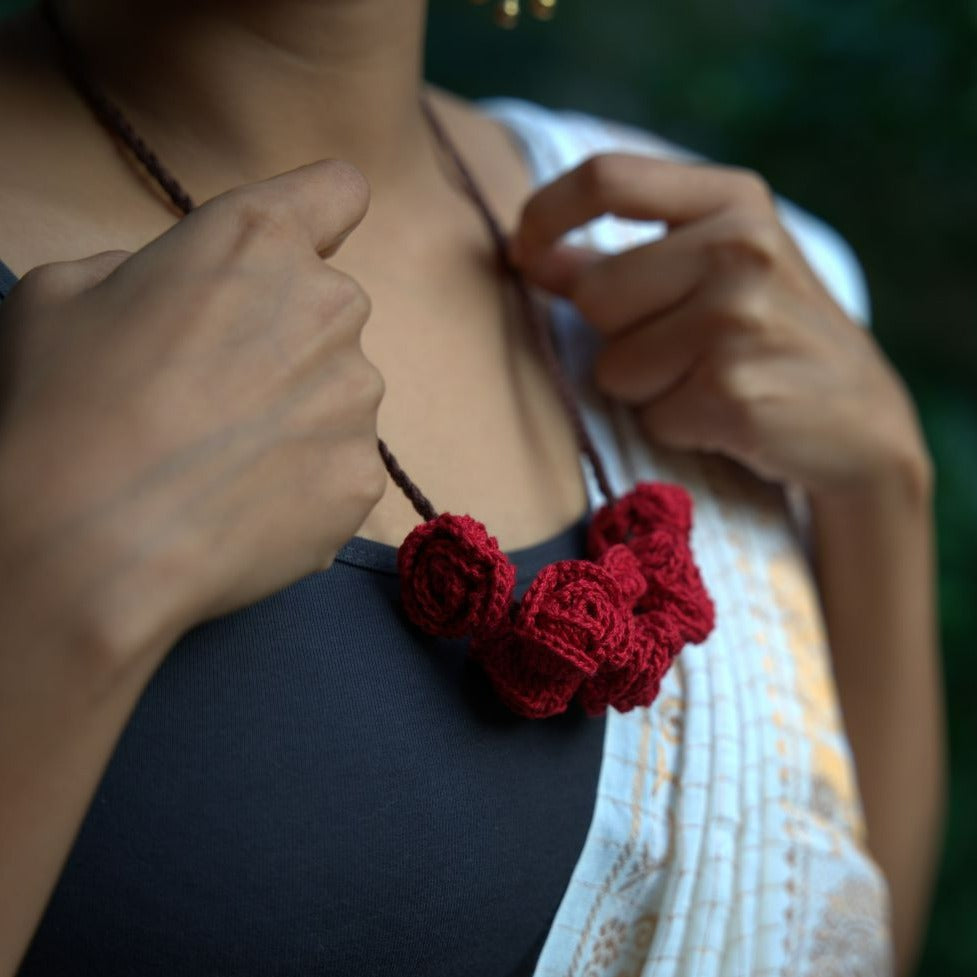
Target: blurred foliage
x=865, y=113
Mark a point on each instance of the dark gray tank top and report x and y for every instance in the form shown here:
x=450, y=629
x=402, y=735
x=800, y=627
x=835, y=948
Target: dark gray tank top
x=308, y=786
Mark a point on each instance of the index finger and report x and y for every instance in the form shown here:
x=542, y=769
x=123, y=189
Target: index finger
x=313, y=208
x=318, y=203
x=635, y=187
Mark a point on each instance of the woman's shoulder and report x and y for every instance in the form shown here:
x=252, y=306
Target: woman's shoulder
x=576, y=134
x=555, y=140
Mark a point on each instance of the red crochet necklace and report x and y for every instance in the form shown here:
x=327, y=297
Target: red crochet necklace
x=603, y=629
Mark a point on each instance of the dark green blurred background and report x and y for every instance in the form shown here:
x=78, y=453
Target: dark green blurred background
x=865, y=113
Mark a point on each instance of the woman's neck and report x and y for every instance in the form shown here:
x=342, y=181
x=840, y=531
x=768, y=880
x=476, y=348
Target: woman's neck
x=249, y=88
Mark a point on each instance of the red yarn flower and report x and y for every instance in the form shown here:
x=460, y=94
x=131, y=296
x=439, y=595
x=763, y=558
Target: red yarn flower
x=625, y=568
x=576, y=610
x=675, y=587
x=529, y=680
x=648, y=506
x=606, y=628
x=454, y=579
x=655, y=643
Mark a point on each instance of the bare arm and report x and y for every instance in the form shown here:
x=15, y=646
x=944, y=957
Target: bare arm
x=723, y=339
x=875, y=565
x=167, y=454
x=62, y=707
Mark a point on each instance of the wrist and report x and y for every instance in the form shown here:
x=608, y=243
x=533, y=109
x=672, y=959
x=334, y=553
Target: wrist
x=59, y=604
x=879, y=529
x=901, y=479
x=79, y=582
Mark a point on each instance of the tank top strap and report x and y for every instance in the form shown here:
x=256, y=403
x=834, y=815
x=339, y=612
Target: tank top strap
x=7, y=281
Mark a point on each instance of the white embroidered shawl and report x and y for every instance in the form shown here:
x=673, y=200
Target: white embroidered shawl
x=727, y=836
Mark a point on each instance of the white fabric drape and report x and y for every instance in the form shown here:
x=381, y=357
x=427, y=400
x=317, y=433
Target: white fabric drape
x=727, y=835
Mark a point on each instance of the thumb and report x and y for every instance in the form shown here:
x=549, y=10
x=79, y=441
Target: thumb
x=556, y=269
x=63, y=279
x=86, y=273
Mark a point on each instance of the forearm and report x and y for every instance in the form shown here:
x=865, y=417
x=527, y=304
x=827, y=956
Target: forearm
x=64, y=700
x=875, y=562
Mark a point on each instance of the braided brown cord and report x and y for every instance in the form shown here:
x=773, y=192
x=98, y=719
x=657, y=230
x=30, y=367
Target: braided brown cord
x=108, y=113
x=417, y=498
x=540, y=323
x=112, y=118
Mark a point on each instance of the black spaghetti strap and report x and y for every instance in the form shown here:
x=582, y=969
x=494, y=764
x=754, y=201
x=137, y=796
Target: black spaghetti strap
x=7, y=281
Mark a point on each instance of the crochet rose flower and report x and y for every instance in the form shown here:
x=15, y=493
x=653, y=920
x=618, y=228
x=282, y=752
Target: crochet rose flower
x=655, y=643
x=575, y=610
x=625, y=568
x=454, y=579
x=648, y=506
x=675, y=587
x=531, y=684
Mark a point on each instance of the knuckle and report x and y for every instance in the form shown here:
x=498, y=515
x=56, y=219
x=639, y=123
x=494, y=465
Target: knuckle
x=718, y=381
x=365, y=387
x=356, y=301
x=752, y=186
x=732, y=391
x=747, y=314
x=748, y=242
x=374, y=387
x=369, y=476
x=753, y=311
x=360, y=389
x=376, y=482
x=248, y=213
x=342, y=296
x=601, y=173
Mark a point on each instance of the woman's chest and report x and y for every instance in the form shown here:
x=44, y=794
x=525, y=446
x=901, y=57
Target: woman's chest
x=472, y=414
